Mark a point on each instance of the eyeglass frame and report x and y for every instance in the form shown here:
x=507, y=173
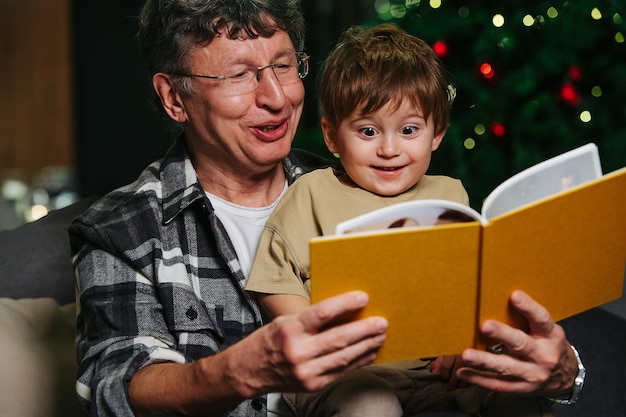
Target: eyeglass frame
x=301, y=57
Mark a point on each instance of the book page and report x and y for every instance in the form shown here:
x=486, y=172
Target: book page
x=418, y=213
x=545, y=179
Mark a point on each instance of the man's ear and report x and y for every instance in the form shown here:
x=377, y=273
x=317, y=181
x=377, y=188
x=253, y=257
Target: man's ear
x=329, y=135
x=437, y=140
x=170, y=99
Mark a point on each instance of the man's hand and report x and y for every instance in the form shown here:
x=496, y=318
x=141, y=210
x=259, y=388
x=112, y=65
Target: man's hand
x=296, y=352
x=539, y=362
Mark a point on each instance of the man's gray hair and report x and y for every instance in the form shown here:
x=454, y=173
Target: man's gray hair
x=171, y=29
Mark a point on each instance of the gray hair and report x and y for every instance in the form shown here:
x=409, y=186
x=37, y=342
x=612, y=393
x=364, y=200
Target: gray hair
x=169, y=30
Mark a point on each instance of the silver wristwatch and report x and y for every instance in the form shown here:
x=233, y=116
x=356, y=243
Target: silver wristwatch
x=578, y=383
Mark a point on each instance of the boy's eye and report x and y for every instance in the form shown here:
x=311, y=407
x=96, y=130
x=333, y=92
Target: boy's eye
x=408, y=130
x=368, y=131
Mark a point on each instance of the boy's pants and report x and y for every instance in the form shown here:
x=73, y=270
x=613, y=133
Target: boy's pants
x=376, y=391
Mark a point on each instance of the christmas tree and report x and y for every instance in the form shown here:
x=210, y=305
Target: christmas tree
x=533, y=79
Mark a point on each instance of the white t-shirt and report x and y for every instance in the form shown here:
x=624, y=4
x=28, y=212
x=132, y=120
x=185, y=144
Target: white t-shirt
x=244, y=226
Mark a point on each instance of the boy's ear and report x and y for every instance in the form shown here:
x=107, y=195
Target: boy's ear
x=437, y=140
x=329, y=135
x=170, y=99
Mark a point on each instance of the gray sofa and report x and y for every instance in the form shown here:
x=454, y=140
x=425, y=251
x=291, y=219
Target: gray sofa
x=37, y=311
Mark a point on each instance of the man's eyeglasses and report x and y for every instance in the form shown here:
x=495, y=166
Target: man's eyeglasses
x=287, y=69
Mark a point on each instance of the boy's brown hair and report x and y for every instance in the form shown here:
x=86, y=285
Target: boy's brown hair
x=369, y=68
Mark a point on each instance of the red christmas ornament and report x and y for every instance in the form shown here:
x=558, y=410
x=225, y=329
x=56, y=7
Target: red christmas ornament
x=498, y=129
x=440, y=48
x=569, y=95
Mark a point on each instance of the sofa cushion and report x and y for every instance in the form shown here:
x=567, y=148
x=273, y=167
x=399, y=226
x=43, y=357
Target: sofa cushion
x=35, y=257
x=37, y=358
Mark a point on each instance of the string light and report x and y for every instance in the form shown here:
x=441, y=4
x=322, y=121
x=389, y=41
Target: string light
x=596, y=14
x=585, y=116
x=469, y=143
x=574, y=73
x=480, y=129
x=552, y=13
x=596, y=91
x=498, y=129
x=487, y=70
x=570, y=95
x=498, y=20
x=528, y=20
x=440, y=48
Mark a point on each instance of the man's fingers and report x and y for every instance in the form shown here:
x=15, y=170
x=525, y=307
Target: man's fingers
x=538, y=316
x=348, y=340
x=497, y=372
x=514, y=341
x=323, y=312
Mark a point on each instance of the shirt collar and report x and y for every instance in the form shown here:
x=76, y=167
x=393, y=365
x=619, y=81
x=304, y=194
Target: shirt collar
x=180, y=184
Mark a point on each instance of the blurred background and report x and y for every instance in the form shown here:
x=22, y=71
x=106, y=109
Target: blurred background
x=533, y=79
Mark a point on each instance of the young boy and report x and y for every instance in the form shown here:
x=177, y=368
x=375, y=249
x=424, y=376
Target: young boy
x=385, y=97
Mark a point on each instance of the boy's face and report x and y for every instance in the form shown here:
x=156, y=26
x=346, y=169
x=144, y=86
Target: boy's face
x=387, y=151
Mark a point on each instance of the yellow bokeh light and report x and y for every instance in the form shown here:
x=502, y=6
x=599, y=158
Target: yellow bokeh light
x=435, y=4
x=619, y=37
x=596, y=91
x=552, y=13
x=38, y=211
x=469, y=143
x=596, y=14
x=585, y=116
x=528, y=20
x=498, y=20
x=480, y=129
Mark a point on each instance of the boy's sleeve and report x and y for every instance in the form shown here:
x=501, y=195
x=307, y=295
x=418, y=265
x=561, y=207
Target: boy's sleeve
x=275, y=269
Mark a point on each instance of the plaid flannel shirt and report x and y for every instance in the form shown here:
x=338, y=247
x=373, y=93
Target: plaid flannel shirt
x=157, y=280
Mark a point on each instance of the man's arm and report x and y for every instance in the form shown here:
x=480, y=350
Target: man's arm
x=288, y=354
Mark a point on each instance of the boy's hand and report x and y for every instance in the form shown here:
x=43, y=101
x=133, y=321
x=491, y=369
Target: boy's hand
x=446, y=367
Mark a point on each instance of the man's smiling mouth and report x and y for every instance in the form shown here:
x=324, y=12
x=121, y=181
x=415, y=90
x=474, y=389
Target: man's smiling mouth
x=268, y=128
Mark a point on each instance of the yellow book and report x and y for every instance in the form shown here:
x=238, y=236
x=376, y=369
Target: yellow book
x=556, y=230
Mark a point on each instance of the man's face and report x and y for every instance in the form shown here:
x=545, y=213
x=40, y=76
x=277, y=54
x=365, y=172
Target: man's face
x=241, y=131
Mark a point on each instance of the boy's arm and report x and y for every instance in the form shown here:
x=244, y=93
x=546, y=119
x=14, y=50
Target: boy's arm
x=282, y=304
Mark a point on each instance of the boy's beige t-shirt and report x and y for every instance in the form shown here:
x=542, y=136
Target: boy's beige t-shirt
x=313, y=206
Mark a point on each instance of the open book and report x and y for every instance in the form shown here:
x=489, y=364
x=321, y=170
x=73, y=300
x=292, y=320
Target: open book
x=437, y=269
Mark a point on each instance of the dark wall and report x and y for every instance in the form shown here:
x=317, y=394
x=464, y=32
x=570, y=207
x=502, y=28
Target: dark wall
x=118, y=131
